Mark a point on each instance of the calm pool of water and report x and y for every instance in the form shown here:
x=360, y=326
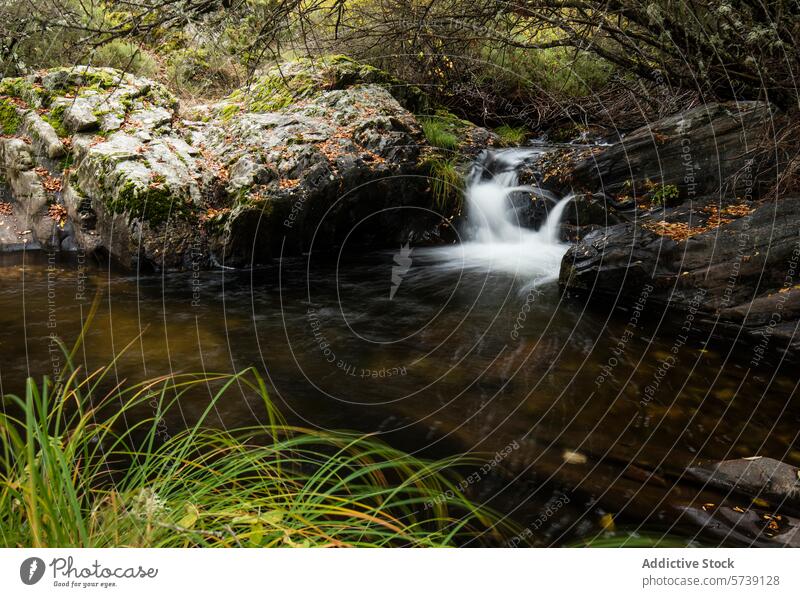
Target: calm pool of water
x=437, y=360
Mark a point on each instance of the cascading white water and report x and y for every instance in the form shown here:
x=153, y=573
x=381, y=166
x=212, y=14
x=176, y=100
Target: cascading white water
x=497, y=241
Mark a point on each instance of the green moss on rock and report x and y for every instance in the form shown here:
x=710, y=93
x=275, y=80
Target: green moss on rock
x=55, y=118
x=444, y=130
x=22, y=88
x=72, y=80
x=306, y=78
x=10, y=118
x=154, y=203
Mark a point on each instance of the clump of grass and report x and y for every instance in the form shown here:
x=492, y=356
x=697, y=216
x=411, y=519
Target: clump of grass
x=125, y=56
x=81, y=467
x=443, y=129
x=446, y=183
x=438, y=133
x=512, y=135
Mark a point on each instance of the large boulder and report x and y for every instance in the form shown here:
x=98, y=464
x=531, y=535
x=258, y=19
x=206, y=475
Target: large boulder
x=714, y=148
x=337, y=166
x=735, y=265
x=59, y=116
x=310, y=154
x=690, y=230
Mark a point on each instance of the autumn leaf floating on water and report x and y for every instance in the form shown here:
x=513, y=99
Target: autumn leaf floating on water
x=571, y=457
x=607, y=523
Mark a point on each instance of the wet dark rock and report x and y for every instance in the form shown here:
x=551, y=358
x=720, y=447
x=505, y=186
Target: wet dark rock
x=757, y=478
x=701, y=151
x=741, y=275
x=589, y=212
x=673, y=212
x=744, y=526
x=760, y=504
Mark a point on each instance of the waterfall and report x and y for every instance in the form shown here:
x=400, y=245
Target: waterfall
x=492, y=180
x=495, y=240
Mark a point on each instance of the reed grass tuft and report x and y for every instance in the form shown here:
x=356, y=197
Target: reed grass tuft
x=83, y=466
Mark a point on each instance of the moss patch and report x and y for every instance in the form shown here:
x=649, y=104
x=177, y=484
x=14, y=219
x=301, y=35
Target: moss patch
x=307, y=78
x=155, y=203
x=75, y=79
x=55, y=118
x=444, y=129
x=21, y=88
x=270, y=93
x=10, y=119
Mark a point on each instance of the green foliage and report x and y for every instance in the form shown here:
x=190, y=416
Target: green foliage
x=125, y=56
x=200, y=70
x=663, y=194
x=559, y=71
x=81, y=466
x=511, y=135
x=444, y=129
x=446, y=184
x=10, y=119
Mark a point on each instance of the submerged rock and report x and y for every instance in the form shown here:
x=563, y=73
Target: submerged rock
x=768, y=492
x=758, y=477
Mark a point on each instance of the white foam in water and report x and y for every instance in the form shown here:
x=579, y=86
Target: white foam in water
x=497, y=241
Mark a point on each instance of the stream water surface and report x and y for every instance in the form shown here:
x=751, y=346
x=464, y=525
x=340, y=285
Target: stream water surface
x=465, y=348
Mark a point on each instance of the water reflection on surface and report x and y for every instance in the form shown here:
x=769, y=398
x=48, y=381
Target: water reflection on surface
x=456, y=360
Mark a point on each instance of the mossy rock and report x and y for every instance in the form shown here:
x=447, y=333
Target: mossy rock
x=69, y=80
x=24, y=89
x=154, y=203
x=10, y=117
x=306, y=78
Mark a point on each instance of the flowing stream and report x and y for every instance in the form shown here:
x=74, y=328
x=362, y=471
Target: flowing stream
x=495, y=239
x=445, y=350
